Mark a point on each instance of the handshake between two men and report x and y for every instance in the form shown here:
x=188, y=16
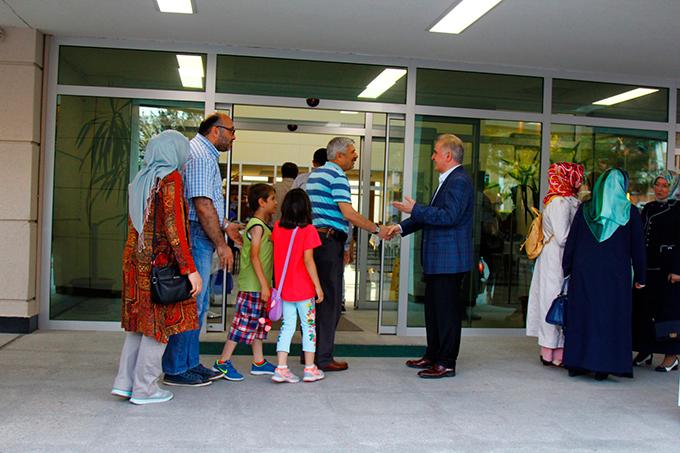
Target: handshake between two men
x=388, y=232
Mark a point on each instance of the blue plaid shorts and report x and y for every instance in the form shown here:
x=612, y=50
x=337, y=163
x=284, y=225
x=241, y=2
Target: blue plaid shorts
x=246, y=326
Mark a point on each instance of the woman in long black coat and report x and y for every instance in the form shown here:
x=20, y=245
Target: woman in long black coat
x=659, y=300
x=605, y=238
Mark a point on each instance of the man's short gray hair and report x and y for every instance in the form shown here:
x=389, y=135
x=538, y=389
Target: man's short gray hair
x=337, y=145
x=453, y=144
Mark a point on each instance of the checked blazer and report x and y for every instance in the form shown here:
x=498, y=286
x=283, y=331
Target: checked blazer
x=447, y=226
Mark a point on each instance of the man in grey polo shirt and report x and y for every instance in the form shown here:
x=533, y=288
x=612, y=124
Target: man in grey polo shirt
x=332, y=212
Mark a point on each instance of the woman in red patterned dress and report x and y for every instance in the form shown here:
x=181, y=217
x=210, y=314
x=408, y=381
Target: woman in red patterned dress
x=155, y=194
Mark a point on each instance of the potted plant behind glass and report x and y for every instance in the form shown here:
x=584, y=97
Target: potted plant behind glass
x=105, y=140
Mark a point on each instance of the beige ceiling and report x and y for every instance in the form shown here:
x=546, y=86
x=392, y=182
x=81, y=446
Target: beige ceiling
x=628, y=37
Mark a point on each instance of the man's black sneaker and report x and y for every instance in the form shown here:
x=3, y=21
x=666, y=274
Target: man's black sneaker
x=186, y=379
x=206, y=373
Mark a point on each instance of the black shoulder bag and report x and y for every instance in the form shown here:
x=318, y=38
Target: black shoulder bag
x=168, y=285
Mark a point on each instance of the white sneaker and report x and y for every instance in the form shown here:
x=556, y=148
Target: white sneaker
x=122, y=393
x=161, y=396
x=284, y=375
x=313, y=374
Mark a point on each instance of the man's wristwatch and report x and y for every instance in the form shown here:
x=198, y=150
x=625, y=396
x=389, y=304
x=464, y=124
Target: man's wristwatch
x=377, y=229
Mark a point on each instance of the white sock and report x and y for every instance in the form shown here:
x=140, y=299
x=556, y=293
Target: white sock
x=282, y=367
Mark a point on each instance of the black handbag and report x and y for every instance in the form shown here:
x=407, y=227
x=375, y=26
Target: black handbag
x=557, y=313
x=168, y=285
x=667, y=330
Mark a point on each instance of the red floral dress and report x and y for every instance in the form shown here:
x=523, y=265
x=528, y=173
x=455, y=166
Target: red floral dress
x=139, y=313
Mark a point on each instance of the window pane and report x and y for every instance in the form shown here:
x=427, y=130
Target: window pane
x=302, y=79
x=479, y=90
x=503, y=159
x=575, y=97
x=641, y=153
x=97, y=151
x=124, y=68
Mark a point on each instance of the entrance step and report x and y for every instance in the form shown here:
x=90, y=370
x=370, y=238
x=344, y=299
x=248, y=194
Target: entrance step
x=341, y=350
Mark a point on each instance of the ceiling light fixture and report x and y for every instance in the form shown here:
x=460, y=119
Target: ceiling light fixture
x=382, y=83
x=176, y=6
x=463, y=15
x=348, y=112
x=191, y=70
x=627, y=96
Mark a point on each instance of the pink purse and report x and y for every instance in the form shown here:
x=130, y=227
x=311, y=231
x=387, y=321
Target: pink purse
x=275, y=302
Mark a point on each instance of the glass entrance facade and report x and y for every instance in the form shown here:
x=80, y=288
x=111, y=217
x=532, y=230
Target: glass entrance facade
x=109, y=101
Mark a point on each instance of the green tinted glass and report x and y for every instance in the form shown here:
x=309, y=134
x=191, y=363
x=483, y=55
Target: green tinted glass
x=302, y=79
x=503, y=160
x=580, y=98
x=98, y=145
x=124, y=68
x=479, y=90
x=641, y=153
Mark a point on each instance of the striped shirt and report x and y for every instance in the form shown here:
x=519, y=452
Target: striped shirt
x=327, y=186
x=202, y=176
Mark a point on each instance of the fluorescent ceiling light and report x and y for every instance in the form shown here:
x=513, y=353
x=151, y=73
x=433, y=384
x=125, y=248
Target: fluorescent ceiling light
x=175, y=6
x=463, y=15
x=191, y=70
x=382, y=83
x=348, y=112
x=627, y=96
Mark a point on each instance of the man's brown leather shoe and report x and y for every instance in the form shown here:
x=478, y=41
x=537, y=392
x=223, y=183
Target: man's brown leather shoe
x=437, y=371
x=335, y=366
x=419, y=363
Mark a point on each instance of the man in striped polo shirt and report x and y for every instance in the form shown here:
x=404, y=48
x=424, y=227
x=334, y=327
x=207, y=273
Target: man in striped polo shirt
x=332, y=213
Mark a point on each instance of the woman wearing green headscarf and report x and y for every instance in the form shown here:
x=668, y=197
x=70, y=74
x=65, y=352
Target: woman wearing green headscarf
x=605, y=239
x=156, y=200
x=657, y=302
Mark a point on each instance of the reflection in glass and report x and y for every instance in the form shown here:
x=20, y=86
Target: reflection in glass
x=393, y=175
x=127, y=68
x=97, y=152
x=476, y=90
x=641, y=153
x=301, y=78
x=577, y=97
x=503, y=159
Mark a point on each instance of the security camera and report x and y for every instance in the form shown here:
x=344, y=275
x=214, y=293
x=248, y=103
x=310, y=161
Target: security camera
x=292, y=127
x=312, y=102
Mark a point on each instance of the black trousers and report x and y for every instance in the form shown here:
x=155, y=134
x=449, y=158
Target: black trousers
x=329, y=266
x=443, y=318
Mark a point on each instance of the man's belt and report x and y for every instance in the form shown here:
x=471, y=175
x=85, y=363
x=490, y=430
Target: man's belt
x=332, y=233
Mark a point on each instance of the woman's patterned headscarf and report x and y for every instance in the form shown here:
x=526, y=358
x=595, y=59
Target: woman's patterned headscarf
x=564, y=180
x=673, y=182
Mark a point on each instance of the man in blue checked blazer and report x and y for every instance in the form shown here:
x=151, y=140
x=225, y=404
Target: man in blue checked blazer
x=446, y=255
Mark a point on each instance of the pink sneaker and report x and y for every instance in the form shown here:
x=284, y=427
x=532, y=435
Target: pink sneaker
x=284, y=375
x=313, y=374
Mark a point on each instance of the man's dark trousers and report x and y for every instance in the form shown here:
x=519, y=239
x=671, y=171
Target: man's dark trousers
x=443, y=318
x=329, y=266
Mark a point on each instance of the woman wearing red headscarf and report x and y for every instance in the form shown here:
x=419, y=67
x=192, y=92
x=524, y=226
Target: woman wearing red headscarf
x=559, y=207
